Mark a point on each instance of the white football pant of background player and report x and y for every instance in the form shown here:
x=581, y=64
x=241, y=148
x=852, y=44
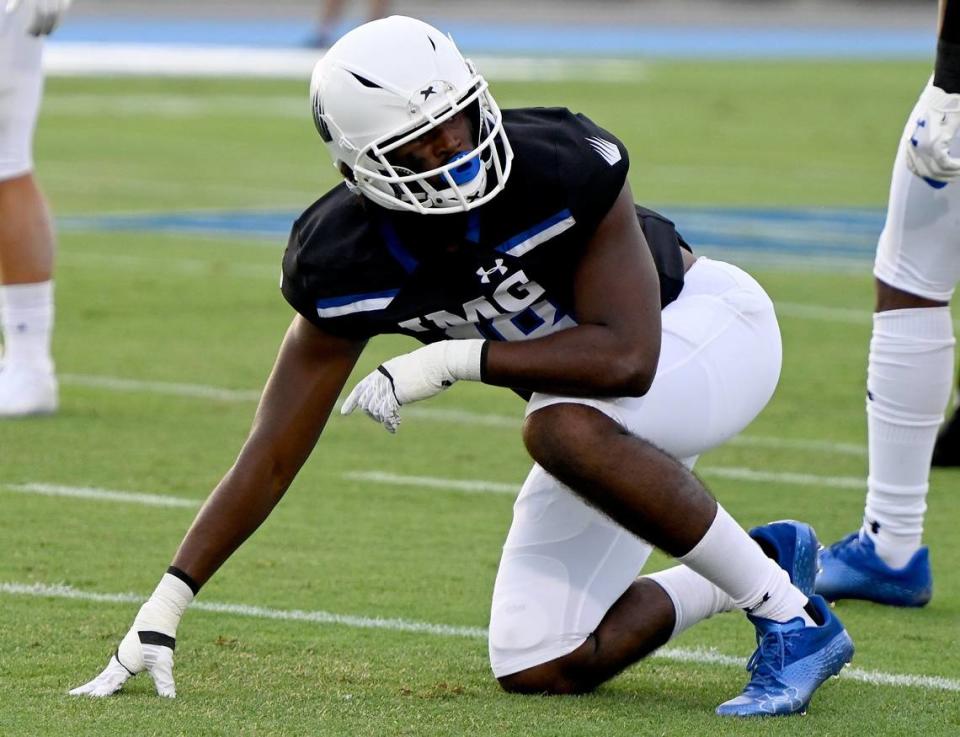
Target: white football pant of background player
x=27, y=381
x=45, y=14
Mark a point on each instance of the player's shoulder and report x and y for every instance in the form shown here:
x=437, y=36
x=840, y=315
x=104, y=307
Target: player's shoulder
x=332, y=234
x=559, y=135
x=335, y=247
x=566, y=159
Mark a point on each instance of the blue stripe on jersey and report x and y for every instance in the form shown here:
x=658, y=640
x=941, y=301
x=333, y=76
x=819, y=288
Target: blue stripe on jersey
x=473, y=226
x=397, y=249
x=353, y=303
x=539, y=233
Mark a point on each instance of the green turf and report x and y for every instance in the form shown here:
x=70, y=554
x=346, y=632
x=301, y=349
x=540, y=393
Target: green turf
x=207, y=311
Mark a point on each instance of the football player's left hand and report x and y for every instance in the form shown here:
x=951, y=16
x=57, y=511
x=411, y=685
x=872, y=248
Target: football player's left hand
x=45, y=14
x=414, y=376
x=935, y=124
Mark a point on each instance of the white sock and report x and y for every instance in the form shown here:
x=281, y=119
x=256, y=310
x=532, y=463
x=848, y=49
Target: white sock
x=729, y=558
x=26, y=316
x=909, y=378
x=694, y=597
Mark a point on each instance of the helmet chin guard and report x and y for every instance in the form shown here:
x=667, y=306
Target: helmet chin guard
x=391, y=81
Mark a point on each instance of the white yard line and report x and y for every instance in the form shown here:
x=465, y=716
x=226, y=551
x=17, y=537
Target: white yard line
x=452, y=416
x=104, y=495
x=681, y=655
x=196, y=391
x=816, y=446
x=474, y=486
x=468, y=486
x=783, y=477
x=480, y=486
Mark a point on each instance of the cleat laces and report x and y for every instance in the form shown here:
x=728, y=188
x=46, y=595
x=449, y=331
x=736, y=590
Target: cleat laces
x=771, y=650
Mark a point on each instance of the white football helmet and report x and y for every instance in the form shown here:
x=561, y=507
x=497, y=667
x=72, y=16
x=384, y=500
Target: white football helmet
x=388, y=82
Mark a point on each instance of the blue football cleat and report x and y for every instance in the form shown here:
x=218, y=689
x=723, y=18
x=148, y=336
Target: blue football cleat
x=791, y=661
x=794, y=546
x=851, y=569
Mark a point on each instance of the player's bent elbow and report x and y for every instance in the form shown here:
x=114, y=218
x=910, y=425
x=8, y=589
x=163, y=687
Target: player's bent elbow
x=638, y=384
x=631, y=376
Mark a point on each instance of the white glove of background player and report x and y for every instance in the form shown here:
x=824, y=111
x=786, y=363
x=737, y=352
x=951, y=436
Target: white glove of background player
x=935, y=123
x=414, y=376
x=149, y=644
x=45, y=16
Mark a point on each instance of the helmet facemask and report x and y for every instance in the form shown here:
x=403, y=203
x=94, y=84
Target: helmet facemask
x=459, y=184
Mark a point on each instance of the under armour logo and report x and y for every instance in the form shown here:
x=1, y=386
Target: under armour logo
x=764, y=600
x=498, y=268
x=913, y=139
x=875, y=527
x=427, y=92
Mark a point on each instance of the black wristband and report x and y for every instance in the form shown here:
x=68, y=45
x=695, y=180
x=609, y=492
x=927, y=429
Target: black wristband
x=946, y=74
x=186, y=578
x=483, y=360
x=950, y=25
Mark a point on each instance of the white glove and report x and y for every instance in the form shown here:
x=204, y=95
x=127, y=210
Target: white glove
x=45, y=16
x=414, y=376
x=936, y=122
x=149, y=644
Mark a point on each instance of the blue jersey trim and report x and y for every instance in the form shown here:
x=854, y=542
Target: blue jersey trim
x=473, y=227
x=353, y=303
x=533, y=237
x=397, y=249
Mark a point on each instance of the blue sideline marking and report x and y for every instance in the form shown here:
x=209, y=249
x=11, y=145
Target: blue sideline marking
x=776, y=232
x=634, y=40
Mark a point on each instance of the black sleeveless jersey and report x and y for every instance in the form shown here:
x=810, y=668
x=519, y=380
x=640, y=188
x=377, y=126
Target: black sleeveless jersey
x=504, y=271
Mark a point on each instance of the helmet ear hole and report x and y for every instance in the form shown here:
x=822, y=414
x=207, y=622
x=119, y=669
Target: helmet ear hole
x=347, y=172
x=318, y=120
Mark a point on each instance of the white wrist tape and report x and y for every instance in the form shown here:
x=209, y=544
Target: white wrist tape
x=463, y=358
x=163, y=610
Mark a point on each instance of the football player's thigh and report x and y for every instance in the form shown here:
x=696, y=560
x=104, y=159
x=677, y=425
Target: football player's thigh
x=720, y=361
x=919, y=248
x=564, y=565
x=21, y=83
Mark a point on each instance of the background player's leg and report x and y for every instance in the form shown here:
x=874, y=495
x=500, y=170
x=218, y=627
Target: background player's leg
x=27, y=383
x=946, y=451
x=910, y=373
x=909, y=377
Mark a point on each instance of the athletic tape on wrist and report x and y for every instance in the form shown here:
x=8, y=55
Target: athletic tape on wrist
x=186, y=578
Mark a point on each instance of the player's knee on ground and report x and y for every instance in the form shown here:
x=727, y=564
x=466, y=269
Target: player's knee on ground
x=554, y=678
x=563, y=437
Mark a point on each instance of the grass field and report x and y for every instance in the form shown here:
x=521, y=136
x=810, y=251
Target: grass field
x=162, y=341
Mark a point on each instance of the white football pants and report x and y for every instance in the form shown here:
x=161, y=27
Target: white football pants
x=21, y=84
x=919, y=248
x=565, y=563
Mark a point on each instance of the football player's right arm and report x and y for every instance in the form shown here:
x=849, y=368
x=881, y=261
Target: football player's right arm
x=306, y=380
x=936, y=119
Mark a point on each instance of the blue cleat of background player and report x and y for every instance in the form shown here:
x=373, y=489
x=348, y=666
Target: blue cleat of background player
x=791, y=661
x=851, y=569
x=794, y=545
